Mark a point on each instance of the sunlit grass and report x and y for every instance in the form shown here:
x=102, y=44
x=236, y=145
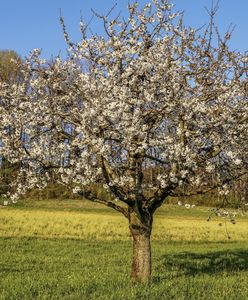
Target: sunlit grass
x=71, y=220
x=78, y=250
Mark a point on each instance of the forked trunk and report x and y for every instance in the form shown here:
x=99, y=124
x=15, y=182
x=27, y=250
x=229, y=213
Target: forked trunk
x=140, y=227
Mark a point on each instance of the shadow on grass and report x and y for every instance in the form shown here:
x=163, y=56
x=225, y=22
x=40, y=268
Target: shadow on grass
x=192, y=264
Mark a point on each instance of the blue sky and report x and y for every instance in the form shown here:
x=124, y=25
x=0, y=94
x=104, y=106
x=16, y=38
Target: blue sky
x=29, y=24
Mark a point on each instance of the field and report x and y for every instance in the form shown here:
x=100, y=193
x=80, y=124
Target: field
x=77, y=250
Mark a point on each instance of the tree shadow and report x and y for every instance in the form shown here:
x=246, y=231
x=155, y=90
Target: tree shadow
x=192, y=264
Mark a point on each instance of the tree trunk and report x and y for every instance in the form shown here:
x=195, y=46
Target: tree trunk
x=140, y=227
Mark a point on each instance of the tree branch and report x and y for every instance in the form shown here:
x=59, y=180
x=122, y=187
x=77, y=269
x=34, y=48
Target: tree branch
x=89, y=196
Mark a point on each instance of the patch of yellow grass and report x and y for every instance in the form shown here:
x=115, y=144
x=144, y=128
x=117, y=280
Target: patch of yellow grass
x=16, y=222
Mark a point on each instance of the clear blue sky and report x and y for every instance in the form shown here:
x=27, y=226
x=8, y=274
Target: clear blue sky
x=29, y=24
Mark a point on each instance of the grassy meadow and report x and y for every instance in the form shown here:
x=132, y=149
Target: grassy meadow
x=72, y=249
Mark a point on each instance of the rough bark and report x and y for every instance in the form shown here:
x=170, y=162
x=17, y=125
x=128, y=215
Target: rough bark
x=140, y=226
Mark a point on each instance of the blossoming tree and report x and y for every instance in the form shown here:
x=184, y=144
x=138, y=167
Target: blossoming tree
x=151, y=94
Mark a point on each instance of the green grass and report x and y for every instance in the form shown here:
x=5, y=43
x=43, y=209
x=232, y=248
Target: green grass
x=75, y=250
